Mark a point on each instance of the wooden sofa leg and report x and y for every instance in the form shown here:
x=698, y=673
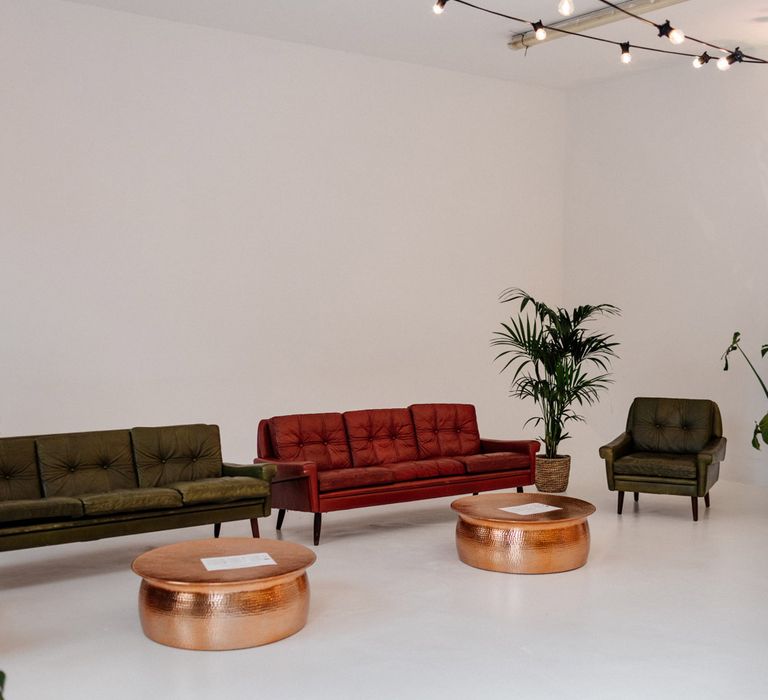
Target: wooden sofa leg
x=520, y=489
x=621, y=502
x=318, y=525
x=695, y=508
x=706, y=500
x=475, y=493
x=637, y=496
x=255, y=527
x=216, y=529
x=280, y=518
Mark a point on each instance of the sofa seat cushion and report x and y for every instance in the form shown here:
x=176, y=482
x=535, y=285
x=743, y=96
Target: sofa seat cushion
x=40, y=509
x=380, y=436
x=664, y=464
x=352, y=478
x=224, y=489
x=445, y=429
x=311, y=437
x=494, y=462
x=424, y=469
x=130, y=500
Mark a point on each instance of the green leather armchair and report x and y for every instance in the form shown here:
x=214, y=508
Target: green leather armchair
x=670, y=446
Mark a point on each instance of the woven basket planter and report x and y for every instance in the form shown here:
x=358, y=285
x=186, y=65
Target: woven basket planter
x=552, y=473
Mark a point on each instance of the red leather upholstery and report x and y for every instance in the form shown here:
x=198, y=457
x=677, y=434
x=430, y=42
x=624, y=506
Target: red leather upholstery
x=336, y=479
x=445, y=429
x=494, y=462
x=424, y=469
x=381, y=436
x=311, y=437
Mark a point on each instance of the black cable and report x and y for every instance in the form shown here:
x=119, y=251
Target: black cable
x=748, y=59
x=754, y=59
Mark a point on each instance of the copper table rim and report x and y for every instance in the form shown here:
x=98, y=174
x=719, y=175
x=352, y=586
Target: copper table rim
x=224, y=587
x=537, y=520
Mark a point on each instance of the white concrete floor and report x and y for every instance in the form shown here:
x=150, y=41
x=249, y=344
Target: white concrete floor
x=665, y=608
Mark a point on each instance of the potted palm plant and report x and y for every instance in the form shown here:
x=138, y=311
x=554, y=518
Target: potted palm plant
x=554, y=357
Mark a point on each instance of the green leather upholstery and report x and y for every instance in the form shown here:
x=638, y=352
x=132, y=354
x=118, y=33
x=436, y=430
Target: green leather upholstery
x=176, y=453
x=84, y=486
x=82, y=463
x=224, y=489
x=130, y=501
x=670, y=446
x=19, y=478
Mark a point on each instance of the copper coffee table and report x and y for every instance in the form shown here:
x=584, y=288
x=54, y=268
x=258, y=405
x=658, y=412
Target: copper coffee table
x=182, y=604
x=493, y=539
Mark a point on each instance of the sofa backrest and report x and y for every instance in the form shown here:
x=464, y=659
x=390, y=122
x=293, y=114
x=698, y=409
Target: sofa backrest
x=381, y=436
x=445, y=429
x=75, y=464
x=311, y=437
x=19, y=478
x=678, y=426
x=173, y=453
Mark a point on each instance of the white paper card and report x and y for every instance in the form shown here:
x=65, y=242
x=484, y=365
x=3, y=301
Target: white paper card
x=239, y=561
x=530, y=509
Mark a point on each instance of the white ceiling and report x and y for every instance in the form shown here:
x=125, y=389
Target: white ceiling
x=465, y=40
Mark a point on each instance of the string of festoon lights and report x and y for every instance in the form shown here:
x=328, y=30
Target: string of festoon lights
x=665, y=30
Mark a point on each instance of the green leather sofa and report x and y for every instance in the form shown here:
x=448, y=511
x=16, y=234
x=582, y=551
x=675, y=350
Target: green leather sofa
x=670, y=446
x=75, y=487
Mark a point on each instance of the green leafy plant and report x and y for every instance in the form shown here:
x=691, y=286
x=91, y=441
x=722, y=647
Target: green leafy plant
x=761, y=427
x=552, y=351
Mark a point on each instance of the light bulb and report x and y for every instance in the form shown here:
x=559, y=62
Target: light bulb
x=539, y=30
x=626, y=56
x=723, y=63
x=699, y=61
x=439, y=7
x=566, y=7
x=677, y=36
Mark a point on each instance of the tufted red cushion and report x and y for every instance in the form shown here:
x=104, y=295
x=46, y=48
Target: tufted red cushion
x=425, y=469
x=311, y=437
x=381, y=435
x=354, y=478
x=445, y=429
x=494, y=462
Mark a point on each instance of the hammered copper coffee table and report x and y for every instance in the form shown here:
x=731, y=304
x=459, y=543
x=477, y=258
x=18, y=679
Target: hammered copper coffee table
x=488, y=537
x=242, y=601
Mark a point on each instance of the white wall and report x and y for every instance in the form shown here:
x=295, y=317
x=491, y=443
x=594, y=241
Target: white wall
x=667, y=217
x=204, y=226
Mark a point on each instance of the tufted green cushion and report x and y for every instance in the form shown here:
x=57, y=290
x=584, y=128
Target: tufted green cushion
x=176, y=453
x=679, y=426
x=39, y=509
x=80, y=463
x=130, y=500
x=667, y=465
x=221, y=490
x=18, y=469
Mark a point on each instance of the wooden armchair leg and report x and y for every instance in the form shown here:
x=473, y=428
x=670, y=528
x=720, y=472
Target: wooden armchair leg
x=637, y=496
x=706, y=500
x=255, y=527
x=520, y=489
x=318, y=525
x=695, y=508
x=280, y=518
x=621, y=502
x=216, y=529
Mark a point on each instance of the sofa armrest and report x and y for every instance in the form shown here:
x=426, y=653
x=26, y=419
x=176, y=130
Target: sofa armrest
x=525, y=446
x=290, y=470
x=708, y=464
x=614, y=450
x=264, y=470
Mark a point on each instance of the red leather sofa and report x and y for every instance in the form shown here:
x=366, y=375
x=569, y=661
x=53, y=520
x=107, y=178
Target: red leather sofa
x=335, y=461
